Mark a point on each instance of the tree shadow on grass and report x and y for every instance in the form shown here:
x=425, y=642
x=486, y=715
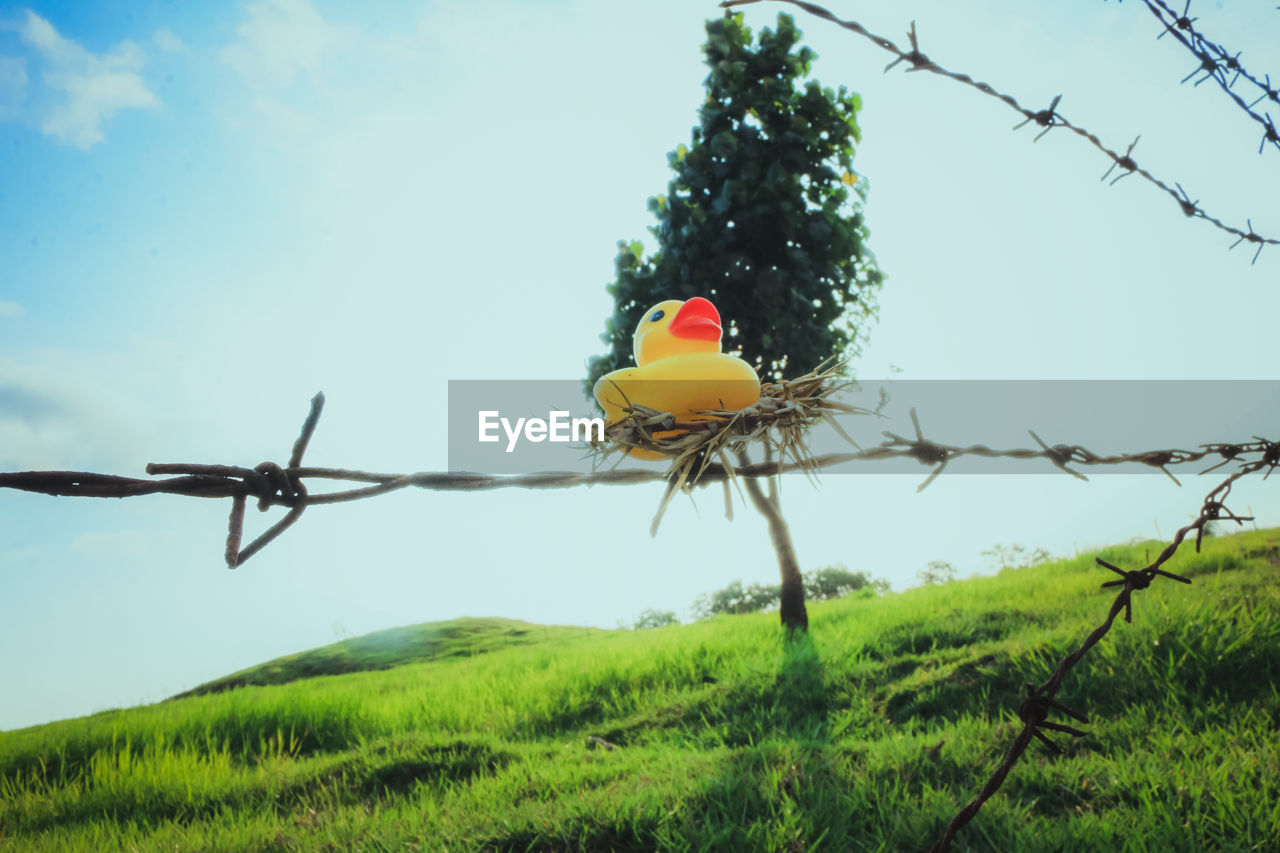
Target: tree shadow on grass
x=778, y=781
x=798, y=692
x=784, y=788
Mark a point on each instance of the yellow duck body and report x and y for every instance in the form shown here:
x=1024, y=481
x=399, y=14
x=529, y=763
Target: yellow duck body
x=679, y=368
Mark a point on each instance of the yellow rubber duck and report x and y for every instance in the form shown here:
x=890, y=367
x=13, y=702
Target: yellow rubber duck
x=679, y=368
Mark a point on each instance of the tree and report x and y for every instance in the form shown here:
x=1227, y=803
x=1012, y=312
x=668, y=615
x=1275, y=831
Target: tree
x=764, y=217
x=937, y=571
x=652, y=618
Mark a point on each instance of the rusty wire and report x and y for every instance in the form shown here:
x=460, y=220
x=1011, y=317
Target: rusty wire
x=1216, y=63
x=273, y=485
x=1047, y=118
x=1040, y=700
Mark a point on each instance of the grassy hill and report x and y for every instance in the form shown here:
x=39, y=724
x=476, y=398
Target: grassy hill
x=395, y=647
x=866, y=735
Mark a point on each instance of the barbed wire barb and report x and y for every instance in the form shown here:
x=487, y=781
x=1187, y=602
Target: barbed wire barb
x=1267, y=92
x=1126, y=163
x=1047, y=118
x=1252, y=238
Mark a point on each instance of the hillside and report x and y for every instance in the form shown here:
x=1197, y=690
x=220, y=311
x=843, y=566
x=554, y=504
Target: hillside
x=866, y=735
x=394, y=647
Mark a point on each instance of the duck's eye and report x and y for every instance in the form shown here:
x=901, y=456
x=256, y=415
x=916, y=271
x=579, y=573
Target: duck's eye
x=656, y=316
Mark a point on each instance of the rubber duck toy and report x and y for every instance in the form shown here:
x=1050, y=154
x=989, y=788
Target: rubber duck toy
x=679, y=368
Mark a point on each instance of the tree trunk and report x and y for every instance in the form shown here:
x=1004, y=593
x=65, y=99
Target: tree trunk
x=793, y=613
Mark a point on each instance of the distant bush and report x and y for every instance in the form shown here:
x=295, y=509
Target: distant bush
x=937, y=571
x=656, y=619
x=837, y=582
x=820, y=585
x=736, y=598
x=1015, y=556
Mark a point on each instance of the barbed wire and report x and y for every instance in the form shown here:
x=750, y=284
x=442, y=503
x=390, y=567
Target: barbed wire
x=1039, y=700
x=273, y=485
x=1216, y=62
x=1047, y=118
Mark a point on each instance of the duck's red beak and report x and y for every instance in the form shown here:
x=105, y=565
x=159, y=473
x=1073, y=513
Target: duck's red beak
x=698, y=320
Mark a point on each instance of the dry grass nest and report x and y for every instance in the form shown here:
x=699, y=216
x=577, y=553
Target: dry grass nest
x=778, y=421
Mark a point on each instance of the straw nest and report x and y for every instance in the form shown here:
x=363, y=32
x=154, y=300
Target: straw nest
x=778, y=421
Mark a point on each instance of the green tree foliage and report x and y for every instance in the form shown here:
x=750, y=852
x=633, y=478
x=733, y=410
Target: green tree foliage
x=763, y=216
x=822, y=584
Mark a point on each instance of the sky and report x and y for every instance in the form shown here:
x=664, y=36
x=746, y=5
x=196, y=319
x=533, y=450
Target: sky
x=210, y=212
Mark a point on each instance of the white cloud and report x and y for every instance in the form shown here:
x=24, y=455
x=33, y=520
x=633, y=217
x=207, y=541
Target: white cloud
x=280, y=40
x=10, y=309
x=13, y=85
x=167, y=41
x=60, y=410
x=306, y=76
x=94, y=87
x=41, y=35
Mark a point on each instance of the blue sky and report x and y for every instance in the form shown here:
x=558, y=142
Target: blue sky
x=208, y=212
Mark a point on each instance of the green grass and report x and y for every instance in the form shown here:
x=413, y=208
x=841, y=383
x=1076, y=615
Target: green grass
x=866, y=735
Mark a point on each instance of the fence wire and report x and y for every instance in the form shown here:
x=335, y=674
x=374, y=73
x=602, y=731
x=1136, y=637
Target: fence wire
x=1040, y=700
x=1048, y=118
x=273, y=485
